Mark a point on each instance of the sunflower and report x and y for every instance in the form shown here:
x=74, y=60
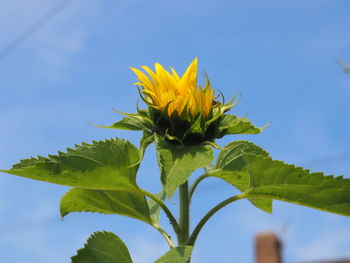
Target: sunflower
x=173, y=95
x=179, y=109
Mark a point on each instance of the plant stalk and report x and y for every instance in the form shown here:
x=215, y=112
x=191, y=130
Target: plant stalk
x=196, y=183
x=205, y=219
x=165, y=235
x=166, y=210
x=184, y=220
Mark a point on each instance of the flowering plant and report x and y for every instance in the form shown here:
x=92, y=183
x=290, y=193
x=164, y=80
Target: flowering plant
x=183, y=119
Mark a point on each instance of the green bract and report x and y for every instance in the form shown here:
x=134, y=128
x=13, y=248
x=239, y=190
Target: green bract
x=103, y=178
x=187, y=132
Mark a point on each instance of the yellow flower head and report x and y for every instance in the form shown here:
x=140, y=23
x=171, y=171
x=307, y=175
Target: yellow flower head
x=175, y=95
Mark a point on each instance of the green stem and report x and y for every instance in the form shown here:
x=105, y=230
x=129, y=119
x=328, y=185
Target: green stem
x=166, y=210
x=205, y=219
x=196, y=183
x=184, y=220
x=165, y=235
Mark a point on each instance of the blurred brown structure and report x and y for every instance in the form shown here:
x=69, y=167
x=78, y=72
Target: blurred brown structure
x=268, y=249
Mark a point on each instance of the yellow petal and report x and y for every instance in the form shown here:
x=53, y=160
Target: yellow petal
x=142, y=77
x=150, y=73
x=175, y=75
x=179, y=94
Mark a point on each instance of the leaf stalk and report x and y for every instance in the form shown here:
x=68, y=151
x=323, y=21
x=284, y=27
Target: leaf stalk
x=205, y=219
x=165, y=209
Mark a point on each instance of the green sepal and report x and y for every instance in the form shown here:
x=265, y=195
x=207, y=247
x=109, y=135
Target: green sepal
x=133, y=123
x=102, y=165
x=103, y=247
x=176, y=255
x=133, y=205
x=195, y=132
x=178, y=162
x=196, y=126
x=231, y=124
x=146, y=140
x=219, y=109
x=230, y=161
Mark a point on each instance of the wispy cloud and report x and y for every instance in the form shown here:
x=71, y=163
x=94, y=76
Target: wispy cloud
x=308, y=5
x=146, y=249
x=331, y=40
x=33, y=246
x=52, y=47
x=328, y=244
x=14, y=141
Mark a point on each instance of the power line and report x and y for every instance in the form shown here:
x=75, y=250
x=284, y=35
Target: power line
x=34, y=28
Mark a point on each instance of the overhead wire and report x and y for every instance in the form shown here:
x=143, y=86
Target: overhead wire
x=33, y=28
x=5, y=51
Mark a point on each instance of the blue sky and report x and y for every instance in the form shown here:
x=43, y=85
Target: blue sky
x=281, y=55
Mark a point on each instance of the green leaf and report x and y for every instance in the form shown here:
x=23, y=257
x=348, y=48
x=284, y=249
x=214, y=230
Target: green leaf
x=107, y=202
x=262, y=203
x=176, y=255
x=178, y=162
x=154, y=208
x=345, y=67
x=231, y=124
x=229, y=164
x=133, y=123
x=103, y=247
x=285, y=182
x=102, y=165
